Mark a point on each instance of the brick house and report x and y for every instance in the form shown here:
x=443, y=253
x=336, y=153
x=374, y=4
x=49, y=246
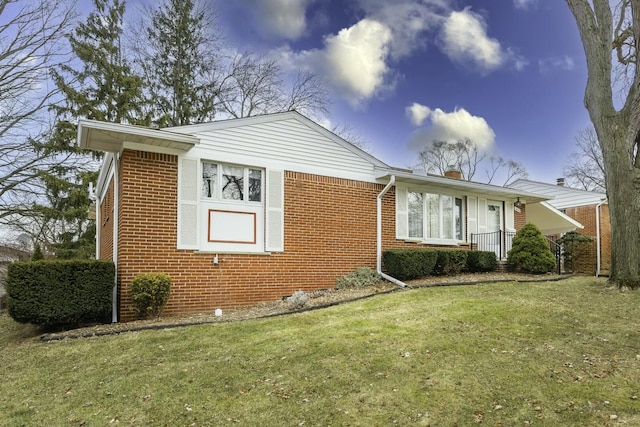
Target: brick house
x=590, y=209
x=248, y=210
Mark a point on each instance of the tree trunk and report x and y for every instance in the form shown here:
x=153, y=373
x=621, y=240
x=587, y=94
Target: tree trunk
x=623, y=193
x=618, y=130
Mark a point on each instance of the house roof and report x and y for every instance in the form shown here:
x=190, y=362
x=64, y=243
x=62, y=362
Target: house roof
x=488, y=190
x=549, y=219
x=113, y=137
x=560, y=197
x=273, y=117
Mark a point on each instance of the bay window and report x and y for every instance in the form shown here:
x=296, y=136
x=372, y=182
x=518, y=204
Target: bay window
x=435, y=217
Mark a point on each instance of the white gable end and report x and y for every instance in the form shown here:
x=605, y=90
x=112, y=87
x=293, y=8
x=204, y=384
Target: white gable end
x=286, y=144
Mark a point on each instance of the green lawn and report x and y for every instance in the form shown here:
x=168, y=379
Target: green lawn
x=507, y=354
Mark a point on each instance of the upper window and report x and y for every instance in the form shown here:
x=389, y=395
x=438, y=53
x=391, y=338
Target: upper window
x=435, y=216
x=230, y=182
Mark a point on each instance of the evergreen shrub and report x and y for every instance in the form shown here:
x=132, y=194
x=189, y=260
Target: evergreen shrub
x=359, y=278
x=407, y=264
x=450, y=261
x=530, y=252
x=57, y=293
x=481, y=261
x=150, y=293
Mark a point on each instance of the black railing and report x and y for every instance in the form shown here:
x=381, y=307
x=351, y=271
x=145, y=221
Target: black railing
x=501, y=242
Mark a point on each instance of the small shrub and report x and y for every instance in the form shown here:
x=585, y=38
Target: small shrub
x=481, y=261
x=150, y=293
x=298, y=299
x=37, y=254
x=407, y=264
x=575, y=246
x=359, y=278
x=530, y=252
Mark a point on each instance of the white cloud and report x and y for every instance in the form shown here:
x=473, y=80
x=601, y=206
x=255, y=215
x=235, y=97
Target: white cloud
x=453, y=126
x=523, y=4
x=564, y=63
x=354, y=60
x=280, y=18
x=408, y=20
x=417, y=113
x=465, y=40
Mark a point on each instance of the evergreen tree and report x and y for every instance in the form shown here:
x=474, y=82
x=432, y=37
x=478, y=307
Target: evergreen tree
x=179, y=64
x=102, y=88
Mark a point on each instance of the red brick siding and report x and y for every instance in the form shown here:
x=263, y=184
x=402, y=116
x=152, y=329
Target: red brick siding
x=520, y=218
x=330, y=229
x=586, y=215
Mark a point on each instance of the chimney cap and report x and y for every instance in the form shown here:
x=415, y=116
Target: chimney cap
x=560, y=182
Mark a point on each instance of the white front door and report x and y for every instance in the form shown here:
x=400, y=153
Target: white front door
x=494, y=225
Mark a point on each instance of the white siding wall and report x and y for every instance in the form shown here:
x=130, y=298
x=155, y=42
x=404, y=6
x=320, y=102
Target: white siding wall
x=286, y=144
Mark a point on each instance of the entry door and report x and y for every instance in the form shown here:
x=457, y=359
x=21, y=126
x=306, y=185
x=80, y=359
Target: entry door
x=494, y=225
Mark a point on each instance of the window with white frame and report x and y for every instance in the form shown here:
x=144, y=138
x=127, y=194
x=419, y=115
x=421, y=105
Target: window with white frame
x=435, y=216
x=230, y=182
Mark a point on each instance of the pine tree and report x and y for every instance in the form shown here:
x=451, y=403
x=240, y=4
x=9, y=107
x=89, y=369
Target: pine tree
x=179, y=63
x=102, y=88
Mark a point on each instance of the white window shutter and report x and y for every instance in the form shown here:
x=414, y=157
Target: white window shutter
x=472, y=215
x=482, y=215
x=275, y=211
x=509, y=217
x=402, y=213
x=188, y=185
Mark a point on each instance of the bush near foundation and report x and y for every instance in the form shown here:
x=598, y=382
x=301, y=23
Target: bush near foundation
x=530, y=252
x=57, y=293
x=481, y=261
x=359, y=278
x=150, y=293
x=407, y=264
x=450, y=261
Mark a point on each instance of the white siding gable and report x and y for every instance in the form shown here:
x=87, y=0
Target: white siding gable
x=285, y=144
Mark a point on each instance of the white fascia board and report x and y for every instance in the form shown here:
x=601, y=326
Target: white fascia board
x=109, y=137
x=467, y=187
x=106, y=171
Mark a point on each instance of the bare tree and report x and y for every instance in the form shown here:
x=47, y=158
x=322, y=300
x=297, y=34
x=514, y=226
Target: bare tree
x=585, y=166
x=258, y=85
x=440, y=156
x=347, y=132
x=31, y=43
x=603, y=30
x=509, y=170
x=466, y=157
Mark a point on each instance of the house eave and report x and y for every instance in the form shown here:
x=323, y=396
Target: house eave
x=114, y=137
x=444, y=183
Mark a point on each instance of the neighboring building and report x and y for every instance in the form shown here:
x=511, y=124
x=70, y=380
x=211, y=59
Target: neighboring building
x=590, y=209
x=248, y=210
x=7, y=256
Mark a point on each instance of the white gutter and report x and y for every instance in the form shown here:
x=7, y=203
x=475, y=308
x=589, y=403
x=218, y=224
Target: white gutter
x=598, y=236
x=392, y=181
x=116, y=191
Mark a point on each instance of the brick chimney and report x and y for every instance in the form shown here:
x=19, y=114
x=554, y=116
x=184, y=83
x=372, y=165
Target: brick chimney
x=453, y=173
x=560, y=182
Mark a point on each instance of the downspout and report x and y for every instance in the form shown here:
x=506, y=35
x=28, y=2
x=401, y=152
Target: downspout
x=116, y=192
x=598, y=236
x=379, y=235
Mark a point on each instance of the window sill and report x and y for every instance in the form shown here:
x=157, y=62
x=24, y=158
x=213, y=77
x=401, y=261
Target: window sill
x=230, y=253
x=440, y=242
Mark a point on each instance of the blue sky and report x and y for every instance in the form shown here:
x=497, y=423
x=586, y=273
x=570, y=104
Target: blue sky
x=509, y=74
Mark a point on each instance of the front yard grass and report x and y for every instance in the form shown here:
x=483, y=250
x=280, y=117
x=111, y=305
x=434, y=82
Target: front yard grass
x=503, y=354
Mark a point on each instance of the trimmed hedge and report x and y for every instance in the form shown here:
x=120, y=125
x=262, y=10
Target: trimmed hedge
x=450, y=261
x=407, y=264
x=56, y=293
x=481, y=261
